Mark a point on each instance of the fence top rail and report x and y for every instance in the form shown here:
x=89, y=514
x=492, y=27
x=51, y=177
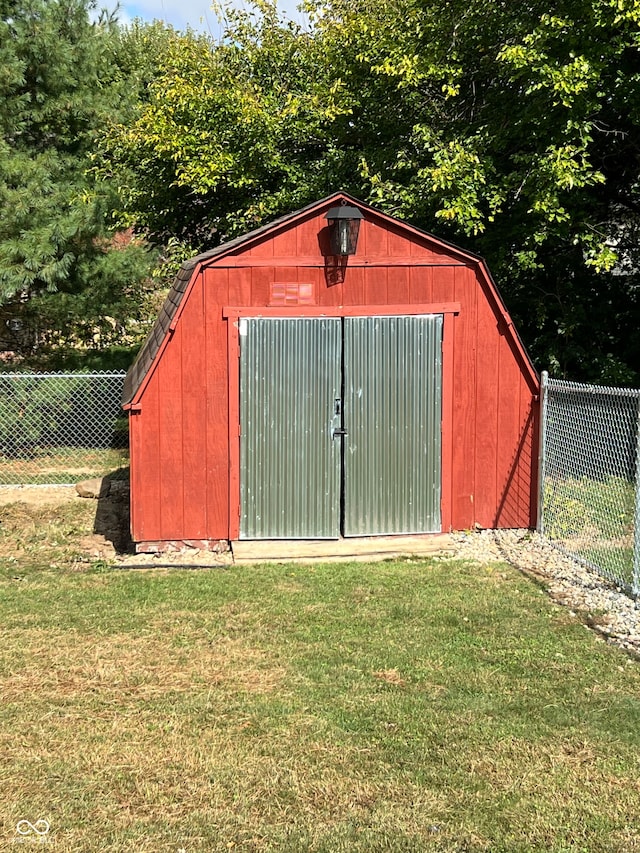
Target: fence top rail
x=560, y=386
x=97, y=374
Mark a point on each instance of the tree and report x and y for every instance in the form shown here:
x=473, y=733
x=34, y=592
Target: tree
x=512, y=129
x=226, y=135
x=522, y=141
x=59, y=84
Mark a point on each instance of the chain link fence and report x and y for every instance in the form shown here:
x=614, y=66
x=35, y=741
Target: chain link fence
x=59, y=428
x=590, y=489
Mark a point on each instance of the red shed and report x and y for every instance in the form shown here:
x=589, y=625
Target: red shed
x=292, y=388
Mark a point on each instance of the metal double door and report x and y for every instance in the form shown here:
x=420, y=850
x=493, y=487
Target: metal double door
x=340, y=426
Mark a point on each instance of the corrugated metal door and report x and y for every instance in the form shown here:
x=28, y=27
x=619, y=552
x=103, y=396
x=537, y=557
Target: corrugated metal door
x=290, y=380
x=393, y=413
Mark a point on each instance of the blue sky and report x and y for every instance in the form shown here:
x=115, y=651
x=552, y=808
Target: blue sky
x=197, y=14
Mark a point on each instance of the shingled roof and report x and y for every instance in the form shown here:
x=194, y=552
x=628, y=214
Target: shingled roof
x=147, y=354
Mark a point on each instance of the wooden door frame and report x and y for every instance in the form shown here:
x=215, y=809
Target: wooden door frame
x=233, y=314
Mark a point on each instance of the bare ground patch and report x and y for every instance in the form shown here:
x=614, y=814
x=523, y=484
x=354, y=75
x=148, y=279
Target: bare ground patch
x=37, y=496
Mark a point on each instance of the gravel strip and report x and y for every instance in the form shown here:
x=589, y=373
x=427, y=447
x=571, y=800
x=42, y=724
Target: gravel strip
x=602, y=605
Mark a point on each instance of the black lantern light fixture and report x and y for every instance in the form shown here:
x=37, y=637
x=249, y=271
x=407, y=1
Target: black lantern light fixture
x=344, y=224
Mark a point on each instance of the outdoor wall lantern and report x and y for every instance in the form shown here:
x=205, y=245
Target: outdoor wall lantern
x=344, y=226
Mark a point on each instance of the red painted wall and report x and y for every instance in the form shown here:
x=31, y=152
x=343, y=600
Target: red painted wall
x=182, y=439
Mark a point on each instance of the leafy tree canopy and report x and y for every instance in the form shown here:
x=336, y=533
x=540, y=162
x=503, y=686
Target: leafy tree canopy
x=512, y=129
x=522, y=140
x=226, y=135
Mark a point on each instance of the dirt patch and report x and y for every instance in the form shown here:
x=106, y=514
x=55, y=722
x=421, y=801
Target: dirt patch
x=37, y=495
x=106, y=539
x=97, y=528
x=391, y=676
x=112, y=523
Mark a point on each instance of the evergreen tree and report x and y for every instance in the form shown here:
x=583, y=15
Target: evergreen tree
x=59, y=85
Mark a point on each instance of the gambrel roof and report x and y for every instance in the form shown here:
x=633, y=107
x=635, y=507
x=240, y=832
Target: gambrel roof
x=161, y=330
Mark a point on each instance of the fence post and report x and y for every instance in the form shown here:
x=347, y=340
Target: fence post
x=635, y=581
x=542, y=453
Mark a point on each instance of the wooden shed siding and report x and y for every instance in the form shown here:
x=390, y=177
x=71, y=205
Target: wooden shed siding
x=398, y=286
x=354, y=293
x=375, y=287
x=216, y=487
x=378, y=242
x=183, y=437
x=145, y=425
x=448, y=393
x=136, y=472
x=464, y=413
x=193, y=367
x=513, y=426
x=237, y=283
x=439, y=287
x=170, y=399
x=508, y=432
x=486, y=406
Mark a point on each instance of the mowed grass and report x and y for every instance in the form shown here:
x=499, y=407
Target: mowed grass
x=399, y=706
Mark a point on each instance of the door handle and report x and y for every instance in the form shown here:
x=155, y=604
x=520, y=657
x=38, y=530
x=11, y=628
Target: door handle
x=337, y=415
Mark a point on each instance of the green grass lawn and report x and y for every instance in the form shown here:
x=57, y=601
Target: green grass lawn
x=415, y=705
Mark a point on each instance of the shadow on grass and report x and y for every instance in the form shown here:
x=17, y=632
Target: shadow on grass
x=112, y=513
